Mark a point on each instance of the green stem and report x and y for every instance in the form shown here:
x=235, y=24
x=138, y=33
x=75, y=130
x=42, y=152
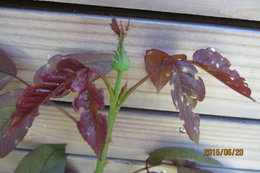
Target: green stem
x=118, y=82
x=111, y=121
x=113, y=111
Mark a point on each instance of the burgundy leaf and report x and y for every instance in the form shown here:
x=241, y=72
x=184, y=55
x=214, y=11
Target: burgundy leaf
x=8, y=142
x=219, y=67
x=83, y=76
x=115, y=27
x=92, y=124
x=7, y=69
x=7, y=107
x=51, y=84
x=159, y=67
x=49, y=67
x=187, y=90
x=98, y=61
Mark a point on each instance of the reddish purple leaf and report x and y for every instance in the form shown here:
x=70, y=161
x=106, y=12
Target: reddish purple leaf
x=158, y=65
x=7, y=69
x=49, y=67
x=92, y=124
x=187, y=90
x=98, y=61
x=219, y=67
x=7, y=106
x=51, y=84
x=70, y=75
x=115, y=27
x=83, y=76
x=8, y=142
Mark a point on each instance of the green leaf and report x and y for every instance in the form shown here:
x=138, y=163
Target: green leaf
x=49, y=158
x=178, y=154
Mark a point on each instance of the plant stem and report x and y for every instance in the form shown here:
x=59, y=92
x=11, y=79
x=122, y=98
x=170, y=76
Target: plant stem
x=21, y=80
x=115, y=105
x=108, y=85
x=63, y=111
x=18, y=78
x=118, y=83
x=113, y=111
x=111, y=121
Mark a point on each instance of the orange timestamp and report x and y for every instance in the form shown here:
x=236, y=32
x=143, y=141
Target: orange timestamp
x=224, y=152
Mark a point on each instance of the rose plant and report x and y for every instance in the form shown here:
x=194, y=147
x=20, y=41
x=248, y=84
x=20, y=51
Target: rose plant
x=76, y=73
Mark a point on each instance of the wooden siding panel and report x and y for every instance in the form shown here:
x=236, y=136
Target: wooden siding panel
x=32, y=37
x=86, y=165
x=138, y=133
x=81, y=164
x=249, y=10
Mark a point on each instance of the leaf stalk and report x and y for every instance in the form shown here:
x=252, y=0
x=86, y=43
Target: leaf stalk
x=63, y=111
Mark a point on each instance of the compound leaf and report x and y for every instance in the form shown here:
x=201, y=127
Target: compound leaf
x=7, y=106
x=51, y=84
x=45, y=159
x=219, y=67
x=7, y=69
x=99, y=61
x=68, y=75
x=187, y=90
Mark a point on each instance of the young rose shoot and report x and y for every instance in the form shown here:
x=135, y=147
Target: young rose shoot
x=64, y=74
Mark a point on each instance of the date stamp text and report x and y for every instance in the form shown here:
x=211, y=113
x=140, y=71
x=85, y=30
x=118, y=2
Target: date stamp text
x=224, y=152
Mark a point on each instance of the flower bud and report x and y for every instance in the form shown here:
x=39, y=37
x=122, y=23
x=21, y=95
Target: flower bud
x=120, y=60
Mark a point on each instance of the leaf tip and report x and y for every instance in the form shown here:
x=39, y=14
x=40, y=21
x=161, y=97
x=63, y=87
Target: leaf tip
x=119, y=29
x=114, y=26
x=158, y=89
x=253, y=99
x=196, y=140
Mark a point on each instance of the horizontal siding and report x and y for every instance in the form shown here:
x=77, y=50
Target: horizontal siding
x=81, y=164
x=33, y=37
x=249, y=10
x=86, y=165
x=138, y=133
